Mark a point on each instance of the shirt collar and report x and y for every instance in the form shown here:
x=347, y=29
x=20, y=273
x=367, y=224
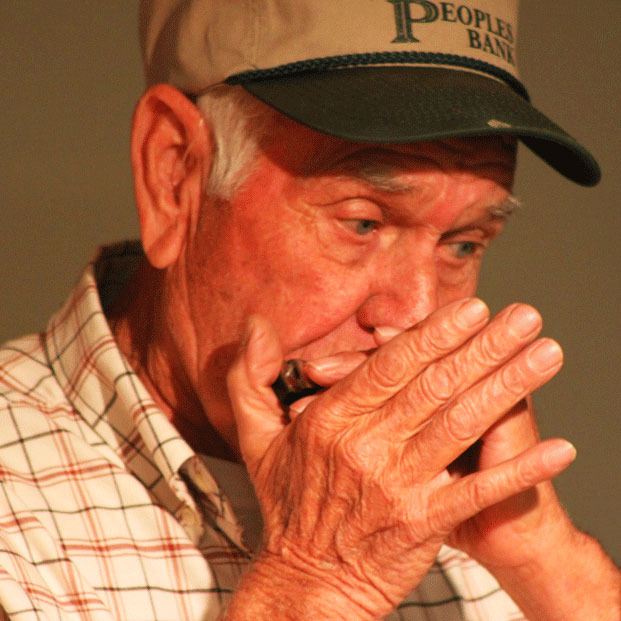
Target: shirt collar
x=108, y=395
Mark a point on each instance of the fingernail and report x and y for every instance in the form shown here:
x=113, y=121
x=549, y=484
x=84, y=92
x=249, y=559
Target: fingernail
x=297, y=408
x=329, y=363
x=473, y=312
x=524, y=320
x=545, y=355
x=560, y=456
x=387, y=333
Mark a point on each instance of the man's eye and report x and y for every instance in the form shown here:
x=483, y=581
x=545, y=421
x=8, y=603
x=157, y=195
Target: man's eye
x=464, y=249
x=361, y=227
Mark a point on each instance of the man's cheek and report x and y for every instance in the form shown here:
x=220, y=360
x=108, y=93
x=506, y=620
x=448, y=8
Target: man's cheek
x=323, y=320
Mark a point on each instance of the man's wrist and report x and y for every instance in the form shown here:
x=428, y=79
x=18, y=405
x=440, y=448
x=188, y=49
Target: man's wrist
x=570, y=577
x=275, y=589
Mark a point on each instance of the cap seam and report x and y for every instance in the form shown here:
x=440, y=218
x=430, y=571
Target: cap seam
x=380, y=58
x=256, y=29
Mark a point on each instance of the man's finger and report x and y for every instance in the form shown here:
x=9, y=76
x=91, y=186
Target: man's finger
x=298, y=407
x=395, y=364
x=258, y=415
x=327, y=371
x=444, y=379
x=470, y=495
x=465, y=419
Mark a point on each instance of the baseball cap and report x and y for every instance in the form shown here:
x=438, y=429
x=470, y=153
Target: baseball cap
x=381, y=71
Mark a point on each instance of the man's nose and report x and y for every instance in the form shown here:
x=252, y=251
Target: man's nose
x=404, y=290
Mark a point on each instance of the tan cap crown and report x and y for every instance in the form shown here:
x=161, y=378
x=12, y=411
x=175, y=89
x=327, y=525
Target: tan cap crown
x=196, y=43
x=363, y=70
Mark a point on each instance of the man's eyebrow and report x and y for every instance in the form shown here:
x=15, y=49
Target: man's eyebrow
x=380, y=176
x=506, y=208
x=500, y=211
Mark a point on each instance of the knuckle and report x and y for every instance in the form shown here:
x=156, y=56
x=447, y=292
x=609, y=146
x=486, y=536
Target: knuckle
x=489, y=349
x=511, y=380
x=438, y=519
x=387, y=368
x=437, y=338
x=352, y=452
x=459, y=421
x=483, y=491
x=526, y=474
x=437, y=383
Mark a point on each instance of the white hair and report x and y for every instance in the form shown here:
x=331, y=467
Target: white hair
x=239, y=122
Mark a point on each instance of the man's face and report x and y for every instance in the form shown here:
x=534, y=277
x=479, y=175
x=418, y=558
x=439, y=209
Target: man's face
x=331, y=239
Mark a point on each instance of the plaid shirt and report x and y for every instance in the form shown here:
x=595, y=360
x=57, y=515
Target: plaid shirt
x=106, y=512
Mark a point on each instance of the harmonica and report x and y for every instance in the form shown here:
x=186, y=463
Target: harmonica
x=292, y=383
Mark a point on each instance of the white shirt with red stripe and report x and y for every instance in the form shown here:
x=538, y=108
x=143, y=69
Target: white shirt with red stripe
x=105, y=511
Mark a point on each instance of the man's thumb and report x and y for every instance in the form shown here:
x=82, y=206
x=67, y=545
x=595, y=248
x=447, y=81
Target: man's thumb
x=258, y=415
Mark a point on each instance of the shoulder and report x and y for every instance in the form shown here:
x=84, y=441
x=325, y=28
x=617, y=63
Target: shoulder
x=28, y=385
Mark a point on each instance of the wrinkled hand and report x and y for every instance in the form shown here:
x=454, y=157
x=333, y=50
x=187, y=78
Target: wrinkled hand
x=355, y=491
x=515, y=532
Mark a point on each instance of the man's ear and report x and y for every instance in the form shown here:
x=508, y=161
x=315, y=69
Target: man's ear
x=171, y=151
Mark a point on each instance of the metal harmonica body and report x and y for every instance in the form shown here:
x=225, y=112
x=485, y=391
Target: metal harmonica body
x=292, y=383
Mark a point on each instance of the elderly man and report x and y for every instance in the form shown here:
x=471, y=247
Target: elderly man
x=316, y=181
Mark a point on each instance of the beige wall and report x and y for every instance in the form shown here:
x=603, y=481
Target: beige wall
x=70, y=73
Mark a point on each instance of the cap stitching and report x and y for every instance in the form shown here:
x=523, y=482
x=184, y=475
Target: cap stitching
x=373, y=58
x=256, y=29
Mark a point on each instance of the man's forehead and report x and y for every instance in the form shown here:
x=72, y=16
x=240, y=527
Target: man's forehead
x=308, y=152
x=387, y=167
x=410, y=180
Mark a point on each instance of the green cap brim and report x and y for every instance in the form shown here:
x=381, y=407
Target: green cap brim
x=393, y=104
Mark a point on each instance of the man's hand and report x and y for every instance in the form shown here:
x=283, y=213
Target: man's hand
x=515, y=532
x=356, y=491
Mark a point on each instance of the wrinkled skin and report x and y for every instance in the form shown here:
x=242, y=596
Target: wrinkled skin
x=337, y=491
x=352, y=493
x=362, y=260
